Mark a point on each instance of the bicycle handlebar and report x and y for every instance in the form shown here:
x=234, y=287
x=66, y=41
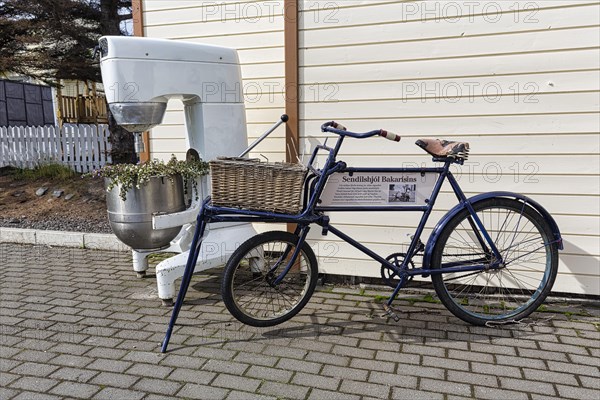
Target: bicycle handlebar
x=339, y=129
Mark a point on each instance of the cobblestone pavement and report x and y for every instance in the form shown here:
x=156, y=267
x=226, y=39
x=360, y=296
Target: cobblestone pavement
x=78, y=324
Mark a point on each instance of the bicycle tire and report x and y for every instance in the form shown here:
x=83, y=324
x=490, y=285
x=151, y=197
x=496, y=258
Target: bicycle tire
x=507, y=294
x=248, y=290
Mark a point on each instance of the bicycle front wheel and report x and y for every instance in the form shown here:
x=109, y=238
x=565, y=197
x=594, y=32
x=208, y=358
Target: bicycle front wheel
x=512, y=292
x=249, y=289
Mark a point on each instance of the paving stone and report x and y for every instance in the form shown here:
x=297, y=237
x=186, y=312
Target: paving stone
x=394, y=380
x=576, y=392
x=114, y=379
x=157, y=386
x=7, y=365
x=313, y=345
x=118, y=394
x=71, y=361
x=319, y=394
x=149, y=370
x=496, y=370
x=373, y=365
x=34, y=356
x=400, y=358
x=482, y=392
x=71, y=348
x=256, y=359
x=527, y=386
x=73, y=374
x=236, y=382
x=7, y=393
x=548, y=376
x=353, y=352
x=35, y=369
x=34, y=396
x=345, y=373
x=316, y=381
x=194, y=391
x=445, y=363
x=192, y=376
x=289, y=352
x=74, y=389
x=212, y=353
x=521, y=362
x=589, y=382
x=423, y=350
x=490, y=348
x=403, y=393
x=585, y=360
x=34, y=383
x=563, y=348
x=110, y=365
x=267, y=373
x=298, y=365
x=544, y=355
x=364, y=388
x=6, y=378
x=441, y=386
x=229, y=367
x=174, y=360
x=326, y=358
x=380, y=345
x=102, y=352
x=282, y=390
x=143, y=357
x=476, y=378
x=578, y=369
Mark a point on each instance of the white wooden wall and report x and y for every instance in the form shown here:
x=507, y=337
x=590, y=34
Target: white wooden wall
x=255, y=29
x=518, y=79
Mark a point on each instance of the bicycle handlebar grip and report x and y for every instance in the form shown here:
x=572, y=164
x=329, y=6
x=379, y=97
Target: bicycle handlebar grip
x=390, y=136
x=338, y=126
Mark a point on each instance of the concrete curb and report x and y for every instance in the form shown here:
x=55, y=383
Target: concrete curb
x=95, y=241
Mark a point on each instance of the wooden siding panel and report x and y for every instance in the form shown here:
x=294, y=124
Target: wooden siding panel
x=395, y=22
x=477, y=46
x=489, y=66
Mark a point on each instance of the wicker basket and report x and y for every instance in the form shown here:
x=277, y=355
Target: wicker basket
x=253, y=185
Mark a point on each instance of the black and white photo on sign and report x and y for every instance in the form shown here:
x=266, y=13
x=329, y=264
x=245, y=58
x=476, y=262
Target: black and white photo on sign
x=403, y=193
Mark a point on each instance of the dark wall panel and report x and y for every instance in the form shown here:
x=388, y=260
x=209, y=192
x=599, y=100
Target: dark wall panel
x=3, y=114
x=35, y=114
x=14, y=90
x=25, y=104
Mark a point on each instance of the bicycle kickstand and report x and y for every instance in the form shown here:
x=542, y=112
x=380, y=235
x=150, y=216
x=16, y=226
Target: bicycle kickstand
x=387, y=306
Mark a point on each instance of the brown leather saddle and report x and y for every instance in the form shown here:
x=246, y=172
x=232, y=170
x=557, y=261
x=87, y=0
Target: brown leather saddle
x=444, y=148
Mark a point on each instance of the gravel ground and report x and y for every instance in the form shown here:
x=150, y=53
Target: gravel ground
x=54, y=223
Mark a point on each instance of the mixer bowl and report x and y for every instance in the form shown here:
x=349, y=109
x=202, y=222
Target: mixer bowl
x=131, y=219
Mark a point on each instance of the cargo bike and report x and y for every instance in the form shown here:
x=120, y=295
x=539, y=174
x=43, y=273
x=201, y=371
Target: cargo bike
x=492, y=258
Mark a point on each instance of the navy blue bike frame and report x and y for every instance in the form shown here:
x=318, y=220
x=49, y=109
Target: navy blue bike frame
x=313, y=214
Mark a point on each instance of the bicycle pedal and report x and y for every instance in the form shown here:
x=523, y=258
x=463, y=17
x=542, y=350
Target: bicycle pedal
x=389, y=311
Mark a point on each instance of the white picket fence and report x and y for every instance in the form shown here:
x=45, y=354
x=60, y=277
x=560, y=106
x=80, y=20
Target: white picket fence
x=80, y=147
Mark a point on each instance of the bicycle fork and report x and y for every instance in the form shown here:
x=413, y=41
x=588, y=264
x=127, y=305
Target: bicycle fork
x=302, y=232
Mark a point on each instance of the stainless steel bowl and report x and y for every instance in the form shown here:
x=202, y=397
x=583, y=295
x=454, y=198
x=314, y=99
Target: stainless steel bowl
x=131, y=220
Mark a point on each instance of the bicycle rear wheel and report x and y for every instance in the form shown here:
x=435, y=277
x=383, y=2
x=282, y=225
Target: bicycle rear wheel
x=248, y=287
x=530, y=254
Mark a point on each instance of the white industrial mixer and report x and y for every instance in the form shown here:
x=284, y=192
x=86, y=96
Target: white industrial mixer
x=140, y=75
